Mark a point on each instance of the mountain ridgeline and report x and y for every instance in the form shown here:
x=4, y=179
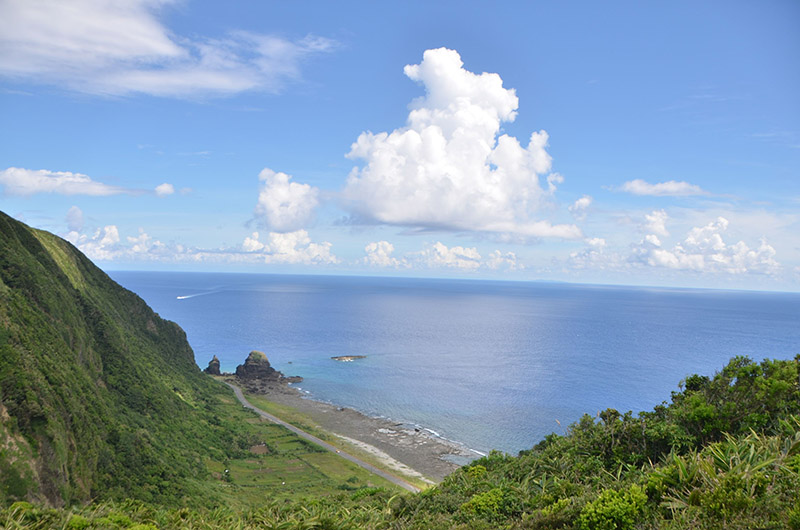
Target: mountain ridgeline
x=99, y=396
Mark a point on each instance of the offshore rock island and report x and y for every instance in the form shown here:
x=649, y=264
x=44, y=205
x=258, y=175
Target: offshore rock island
x=348, y=358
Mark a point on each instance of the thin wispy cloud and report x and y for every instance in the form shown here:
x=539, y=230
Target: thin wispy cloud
x=26, y=182
x=121, y=48
x=790, y=139
x=671, y=188
x=22, y=182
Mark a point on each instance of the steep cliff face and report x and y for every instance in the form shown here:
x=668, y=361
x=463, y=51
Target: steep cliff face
x=99, y=396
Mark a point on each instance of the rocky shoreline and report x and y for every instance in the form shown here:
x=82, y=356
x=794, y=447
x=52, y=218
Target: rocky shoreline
x=407, y=449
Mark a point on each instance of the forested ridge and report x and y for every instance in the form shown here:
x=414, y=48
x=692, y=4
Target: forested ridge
x=106, y=422
x=101, y=398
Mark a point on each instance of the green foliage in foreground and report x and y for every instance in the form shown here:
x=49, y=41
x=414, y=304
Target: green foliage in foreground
x=724, y=453
x=662, y=469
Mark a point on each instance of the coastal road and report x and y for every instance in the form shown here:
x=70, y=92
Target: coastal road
x=325, y=445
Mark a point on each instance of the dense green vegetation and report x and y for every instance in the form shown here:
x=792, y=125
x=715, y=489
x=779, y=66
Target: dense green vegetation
x=101, y=400
x=725, y=453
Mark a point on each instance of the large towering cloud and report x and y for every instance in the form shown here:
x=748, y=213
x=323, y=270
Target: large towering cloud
x=449, y=167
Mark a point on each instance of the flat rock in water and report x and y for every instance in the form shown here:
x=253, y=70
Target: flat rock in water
x=348, y=358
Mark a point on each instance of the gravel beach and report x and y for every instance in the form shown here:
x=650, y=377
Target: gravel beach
x=401, y=447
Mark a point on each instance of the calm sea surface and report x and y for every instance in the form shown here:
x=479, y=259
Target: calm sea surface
x=494, y=365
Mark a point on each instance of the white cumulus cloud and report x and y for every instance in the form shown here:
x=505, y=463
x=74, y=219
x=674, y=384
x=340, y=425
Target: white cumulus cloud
x=579, y=207
x=379, y=254
x=656, y=223
x=117, y=47
x=705, y=250
x=102, y=245
x=439, y=255
x=499, y=260
x=449, y=167
x=162, y=190
x=671, y=188
x=291, y=247
x=105, y=244
x=26, y=182
x=285, y=206
x=593, y=256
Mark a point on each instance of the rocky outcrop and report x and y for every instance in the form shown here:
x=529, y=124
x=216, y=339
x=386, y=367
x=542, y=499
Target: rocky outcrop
x=256, y=375
x=213, y=367
x=257, y=366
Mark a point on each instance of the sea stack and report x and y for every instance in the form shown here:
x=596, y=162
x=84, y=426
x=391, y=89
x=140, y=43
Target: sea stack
x=213, y=367
x=256, y=366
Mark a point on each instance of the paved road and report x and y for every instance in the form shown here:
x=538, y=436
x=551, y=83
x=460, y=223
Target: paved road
x=325, y=445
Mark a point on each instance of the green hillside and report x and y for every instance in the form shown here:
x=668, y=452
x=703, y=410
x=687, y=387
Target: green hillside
x=101, y=398
x=99, y=394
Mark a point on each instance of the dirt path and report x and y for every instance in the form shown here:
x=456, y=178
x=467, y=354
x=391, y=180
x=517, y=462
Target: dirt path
x=325, y=445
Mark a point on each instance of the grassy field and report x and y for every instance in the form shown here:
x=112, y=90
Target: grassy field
x=305, y=422
x=280, y=465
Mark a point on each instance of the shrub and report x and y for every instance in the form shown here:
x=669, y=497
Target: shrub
x=78, y=522
x=476, y=471
x=613, y=510
x=486, y=504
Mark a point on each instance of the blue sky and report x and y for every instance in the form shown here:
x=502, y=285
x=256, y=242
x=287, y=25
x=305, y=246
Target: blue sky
x=614, y=142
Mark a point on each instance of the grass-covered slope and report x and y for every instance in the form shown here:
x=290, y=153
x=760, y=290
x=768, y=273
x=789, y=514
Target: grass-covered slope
x=99, y=397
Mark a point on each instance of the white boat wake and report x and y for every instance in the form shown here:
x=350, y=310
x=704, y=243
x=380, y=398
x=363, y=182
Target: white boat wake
x=187, y=296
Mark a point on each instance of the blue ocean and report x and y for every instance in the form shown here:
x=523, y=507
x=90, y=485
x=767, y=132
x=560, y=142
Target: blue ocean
x=493, y=365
